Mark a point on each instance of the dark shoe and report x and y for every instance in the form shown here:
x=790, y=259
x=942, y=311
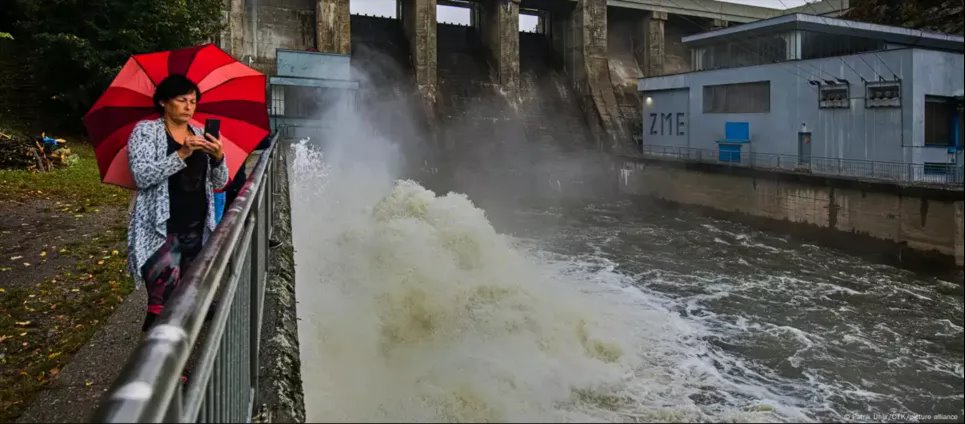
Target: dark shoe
x=272, y=243
x=148, y=322
x=211, y=310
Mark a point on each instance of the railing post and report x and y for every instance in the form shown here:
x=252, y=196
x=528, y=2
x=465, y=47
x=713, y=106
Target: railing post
x=173, y=413
x=257, y=246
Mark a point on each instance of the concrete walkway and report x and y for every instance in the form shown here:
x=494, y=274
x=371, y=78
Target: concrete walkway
x=75, y=393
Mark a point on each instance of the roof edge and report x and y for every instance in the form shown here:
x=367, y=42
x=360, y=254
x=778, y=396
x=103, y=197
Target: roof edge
x=802, y=21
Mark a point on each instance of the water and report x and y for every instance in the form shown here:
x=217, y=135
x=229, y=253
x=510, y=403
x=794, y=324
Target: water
x=415, y=308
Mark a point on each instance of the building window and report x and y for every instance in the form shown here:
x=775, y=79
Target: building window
x=453, y=15
x=817, y=45
x=835, y=96
x=937, y=168
x=528, y=23
x=883, y=94
x=751, y=97
x=377, y=8
x=277, y=100
x=939, y=112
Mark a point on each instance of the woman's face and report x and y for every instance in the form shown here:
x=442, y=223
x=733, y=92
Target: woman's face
x=180, y=109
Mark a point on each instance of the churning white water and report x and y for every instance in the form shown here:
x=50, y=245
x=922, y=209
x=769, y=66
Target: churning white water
x=414, y=308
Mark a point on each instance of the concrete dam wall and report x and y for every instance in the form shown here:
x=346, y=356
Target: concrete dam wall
x=906, y=224
x=496, y=143
x=388, y=94
x=476, y=136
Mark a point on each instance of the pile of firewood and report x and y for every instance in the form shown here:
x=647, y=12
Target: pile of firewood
x=40, y=154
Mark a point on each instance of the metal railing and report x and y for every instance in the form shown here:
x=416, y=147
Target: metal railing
x=945, y=175
x=222, y=354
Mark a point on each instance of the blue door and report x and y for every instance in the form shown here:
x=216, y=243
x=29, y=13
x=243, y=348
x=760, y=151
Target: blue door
x=729, y=153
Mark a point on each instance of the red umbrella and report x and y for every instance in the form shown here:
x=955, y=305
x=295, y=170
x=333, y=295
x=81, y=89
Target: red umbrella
x=230, y=91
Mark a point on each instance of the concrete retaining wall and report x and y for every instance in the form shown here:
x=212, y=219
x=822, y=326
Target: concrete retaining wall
x=280, y=397
x=256, y=29
x=913, y=221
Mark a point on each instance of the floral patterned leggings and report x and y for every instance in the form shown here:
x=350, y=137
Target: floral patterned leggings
x=163, y=271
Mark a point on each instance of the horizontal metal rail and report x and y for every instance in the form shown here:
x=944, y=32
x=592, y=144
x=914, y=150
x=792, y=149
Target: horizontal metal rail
x=222, y=354
x=944, y=175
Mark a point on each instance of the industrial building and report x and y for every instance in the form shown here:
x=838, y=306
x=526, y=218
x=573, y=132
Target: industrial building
x=875, y=101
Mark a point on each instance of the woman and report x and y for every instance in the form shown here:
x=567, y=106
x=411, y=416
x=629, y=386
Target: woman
x=175, y=169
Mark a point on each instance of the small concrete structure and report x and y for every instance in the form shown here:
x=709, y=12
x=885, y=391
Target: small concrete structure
x=307, y=87
x=816, y=86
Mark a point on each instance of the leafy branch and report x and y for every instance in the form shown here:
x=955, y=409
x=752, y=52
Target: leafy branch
x=74, y=48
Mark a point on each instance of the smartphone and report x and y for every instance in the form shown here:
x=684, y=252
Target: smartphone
x=213, y=126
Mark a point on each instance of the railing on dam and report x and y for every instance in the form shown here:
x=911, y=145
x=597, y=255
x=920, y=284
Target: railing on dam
x=944, y=175
x=222, y=353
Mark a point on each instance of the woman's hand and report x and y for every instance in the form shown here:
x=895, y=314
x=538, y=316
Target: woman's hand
x=191, y=143
x=214, y=147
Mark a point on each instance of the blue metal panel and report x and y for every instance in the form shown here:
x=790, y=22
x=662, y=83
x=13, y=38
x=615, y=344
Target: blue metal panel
x=729, y=153
x=737, y=132
x=313, y=82
x=303, y=64
x=956, y=131
x=298, y=74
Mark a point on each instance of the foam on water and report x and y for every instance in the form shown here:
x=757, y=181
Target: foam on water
x=414, y=308
x=824, y=334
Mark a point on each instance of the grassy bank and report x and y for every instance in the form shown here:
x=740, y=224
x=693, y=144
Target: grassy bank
x=78, y=185
x=63, y=270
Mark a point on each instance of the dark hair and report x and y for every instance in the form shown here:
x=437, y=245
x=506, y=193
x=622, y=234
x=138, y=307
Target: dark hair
x=172, y=86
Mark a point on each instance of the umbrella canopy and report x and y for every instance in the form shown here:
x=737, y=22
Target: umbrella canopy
x=230, y=91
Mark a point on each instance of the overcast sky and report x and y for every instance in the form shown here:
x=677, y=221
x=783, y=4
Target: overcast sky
x=527, y=23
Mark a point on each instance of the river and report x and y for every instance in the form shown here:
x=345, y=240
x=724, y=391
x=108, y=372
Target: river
x=415, y=306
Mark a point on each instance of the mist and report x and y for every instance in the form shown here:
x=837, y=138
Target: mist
x=412, y=305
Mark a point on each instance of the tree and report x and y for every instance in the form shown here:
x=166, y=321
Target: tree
x=75, y=47
x=931, y=15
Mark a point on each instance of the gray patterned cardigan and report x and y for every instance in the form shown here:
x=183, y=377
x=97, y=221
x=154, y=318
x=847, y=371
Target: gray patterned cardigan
x=151, y=166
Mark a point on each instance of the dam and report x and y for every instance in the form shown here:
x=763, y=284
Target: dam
x=472, y=237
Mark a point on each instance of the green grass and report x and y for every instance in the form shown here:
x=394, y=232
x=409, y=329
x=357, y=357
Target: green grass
x=43, y=323
x=79, y=183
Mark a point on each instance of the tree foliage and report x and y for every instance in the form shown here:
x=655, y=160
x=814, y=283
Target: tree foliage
x=75, y=47
x=931, y=15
